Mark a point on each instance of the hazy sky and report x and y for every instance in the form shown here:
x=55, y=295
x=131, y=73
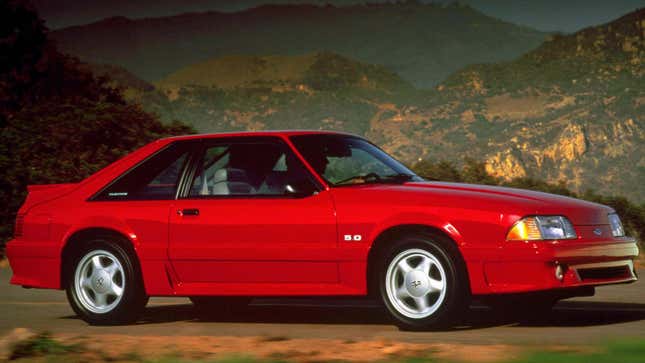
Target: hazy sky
x=548, y=15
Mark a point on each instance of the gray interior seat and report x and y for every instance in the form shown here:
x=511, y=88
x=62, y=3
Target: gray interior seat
x=230, y=181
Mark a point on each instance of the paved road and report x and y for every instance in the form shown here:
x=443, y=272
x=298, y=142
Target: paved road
x=615, y=312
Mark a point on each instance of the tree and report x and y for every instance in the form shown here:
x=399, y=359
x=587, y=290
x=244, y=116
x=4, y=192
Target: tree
x=60, y=123
x=443, y=170
x=475, y=172
x=23, y=53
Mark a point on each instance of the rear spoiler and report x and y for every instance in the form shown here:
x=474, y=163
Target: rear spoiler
x=44, y=192
x=41, y=187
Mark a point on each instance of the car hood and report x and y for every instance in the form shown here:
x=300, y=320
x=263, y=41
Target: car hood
x=520, y=202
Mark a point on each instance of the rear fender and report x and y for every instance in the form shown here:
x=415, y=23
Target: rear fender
x=107, y=223
x=156, y=273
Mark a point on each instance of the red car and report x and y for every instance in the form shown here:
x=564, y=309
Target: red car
x=298, y=213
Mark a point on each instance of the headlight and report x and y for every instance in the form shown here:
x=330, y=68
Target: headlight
x=541, y=228
x=617, y=229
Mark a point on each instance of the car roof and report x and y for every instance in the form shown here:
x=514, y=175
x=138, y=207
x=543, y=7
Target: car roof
x=286, y=133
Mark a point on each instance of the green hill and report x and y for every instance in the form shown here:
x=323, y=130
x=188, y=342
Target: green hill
x=316, y=71
x=313, y=91
x=240, y=71
x=601, y=55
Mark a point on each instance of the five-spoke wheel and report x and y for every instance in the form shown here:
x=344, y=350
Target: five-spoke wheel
x=100, y=281
x=423, y=282
x=104, y=284
x=416, y=283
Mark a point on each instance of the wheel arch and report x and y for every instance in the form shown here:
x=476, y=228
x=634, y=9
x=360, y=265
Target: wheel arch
x=384, y=238
x=75, y=241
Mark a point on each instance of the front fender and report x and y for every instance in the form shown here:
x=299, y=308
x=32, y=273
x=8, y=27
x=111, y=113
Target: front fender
x=417, y=219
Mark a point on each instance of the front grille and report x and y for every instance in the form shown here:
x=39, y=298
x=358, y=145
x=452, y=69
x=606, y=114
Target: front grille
x=605, y=273
x=18, y=227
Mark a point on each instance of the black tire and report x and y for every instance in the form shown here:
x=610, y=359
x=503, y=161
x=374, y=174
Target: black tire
x=220, y=305
x=133, y=299
x=456, y=298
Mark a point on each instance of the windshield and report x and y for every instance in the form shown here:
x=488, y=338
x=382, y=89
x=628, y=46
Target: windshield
x=349, y=160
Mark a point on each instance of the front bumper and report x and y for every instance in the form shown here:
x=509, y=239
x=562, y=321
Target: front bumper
x=537, y=266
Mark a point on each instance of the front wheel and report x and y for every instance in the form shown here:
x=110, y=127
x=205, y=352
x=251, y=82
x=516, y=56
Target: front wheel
x=423, y=283
x=105, y=286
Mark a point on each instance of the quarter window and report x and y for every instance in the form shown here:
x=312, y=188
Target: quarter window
x=154, y=179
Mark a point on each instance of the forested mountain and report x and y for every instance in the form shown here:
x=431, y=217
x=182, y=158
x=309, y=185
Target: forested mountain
x=570, y=110
x=421, y=42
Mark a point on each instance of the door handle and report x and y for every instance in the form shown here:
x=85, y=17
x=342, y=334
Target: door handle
x=188, y=212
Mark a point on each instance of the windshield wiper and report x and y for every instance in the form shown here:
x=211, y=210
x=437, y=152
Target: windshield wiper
x=398, y=178
x=362, y=179
x=373, y=178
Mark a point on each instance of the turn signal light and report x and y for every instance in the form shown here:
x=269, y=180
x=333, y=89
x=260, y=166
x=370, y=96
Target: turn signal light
x=541, y=228
x=524, y=230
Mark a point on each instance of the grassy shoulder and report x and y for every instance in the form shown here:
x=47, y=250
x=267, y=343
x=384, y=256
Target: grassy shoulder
x=630, y=351
x=44, y=347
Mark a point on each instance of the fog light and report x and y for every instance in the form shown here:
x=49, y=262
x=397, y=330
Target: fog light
x=559, y=273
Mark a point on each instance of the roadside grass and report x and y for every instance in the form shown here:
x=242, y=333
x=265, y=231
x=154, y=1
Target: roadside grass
x=42, y=345
x=628, y=351
x=44, y=348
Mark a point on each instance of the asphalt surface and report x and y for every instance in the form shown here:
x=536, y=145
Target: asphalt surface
x=615, y=312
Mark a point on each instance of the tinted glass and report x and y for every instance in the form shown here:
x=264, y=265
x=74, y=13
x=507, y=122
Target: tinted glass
x=347, y=160
x=250, y=169
x=154, y=179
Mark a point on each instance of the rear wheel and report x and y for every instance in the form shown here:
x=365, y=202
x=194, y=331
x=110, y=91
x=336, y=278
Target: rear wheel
x=423, y=283
x=105, y=285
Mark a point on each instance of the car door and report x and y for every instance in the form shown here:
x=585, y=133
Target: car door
x=249, y=214
x=142, y=198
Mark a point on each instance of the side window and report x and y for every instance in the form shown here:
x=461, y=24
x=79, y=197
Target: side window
x=155, y=179
x=250, y=169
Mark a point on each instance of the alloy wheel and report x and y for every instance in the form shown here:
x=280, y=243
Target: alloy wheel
x=416, y=283
x=100, y=281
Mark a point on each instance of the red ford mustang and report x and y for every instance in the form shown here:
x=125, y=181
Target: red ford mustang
x=225, y=216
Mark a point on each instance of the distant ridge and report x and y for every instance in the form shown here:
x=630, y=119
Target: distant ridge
x=421, y=42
